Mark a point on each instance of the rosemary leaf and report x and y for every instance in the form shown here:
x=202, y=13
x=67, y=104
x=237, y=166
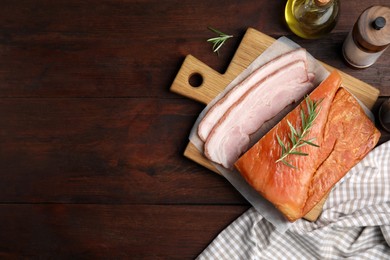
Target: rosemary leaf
x=293, y=138
x=292, y=128
x=296, y=136
x=215, y=30
x=212, y=39
x=219, y=40
x=299, y=153
x=281, y=143
x=310, y=143
x=303, y=118
x=288, y=164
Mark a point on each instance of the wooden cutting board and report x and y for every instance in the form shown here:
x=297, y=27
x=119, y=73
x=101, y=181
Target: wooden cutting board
x=251, y=46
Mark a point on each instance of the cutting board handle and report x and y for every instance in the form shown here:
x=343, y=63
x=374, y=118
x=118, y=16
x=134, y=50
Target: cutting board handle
x=212, y=82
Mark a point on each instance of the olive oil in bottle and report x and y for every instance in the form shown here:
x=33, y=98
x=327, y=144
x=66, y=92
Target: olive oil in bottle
x=311, y=19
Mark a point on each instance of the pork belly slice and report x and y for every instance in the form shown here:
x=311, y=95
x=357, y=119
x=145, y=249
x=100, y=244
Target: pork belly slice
x=230, y=137
x=343, y=132
x=220, y=107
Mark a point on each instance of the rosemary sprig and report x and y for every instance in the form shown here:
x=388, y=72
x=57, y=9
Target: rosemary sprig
x=296, y=136
x=219, y=40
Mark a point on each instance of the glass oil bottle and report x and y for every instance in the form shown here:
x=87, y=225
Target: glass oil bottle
x=311, y=19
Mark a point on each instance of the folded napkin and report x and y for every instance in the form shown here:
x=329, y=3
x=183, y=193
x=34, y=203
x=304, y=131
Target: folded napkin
x=355, y=222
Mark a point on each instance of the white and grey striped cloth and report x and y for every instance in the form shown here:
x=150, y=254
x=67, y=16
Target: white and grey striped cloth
x=355, y=222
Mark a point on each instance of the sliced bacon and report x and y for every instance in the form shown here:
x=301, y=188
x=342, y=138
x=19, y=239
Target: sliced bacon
x=230, y=137
x=219, y=108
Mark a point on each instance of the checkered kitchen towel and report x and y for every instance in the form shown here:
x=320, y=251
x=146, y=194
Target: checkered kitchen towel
x=355, y=222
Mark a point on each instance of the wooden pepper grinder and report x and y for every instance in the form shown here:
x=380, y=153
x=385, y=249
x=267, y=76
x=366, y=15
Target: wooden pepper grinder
x=369, y=37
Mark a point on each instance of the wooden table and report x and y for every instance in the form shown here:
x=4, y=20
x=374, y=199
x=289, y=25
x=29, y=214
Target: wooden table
x=91, y=139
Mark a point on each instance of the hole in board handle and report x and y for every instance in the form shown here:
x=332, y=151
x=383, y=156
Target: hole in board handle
x=195, y=80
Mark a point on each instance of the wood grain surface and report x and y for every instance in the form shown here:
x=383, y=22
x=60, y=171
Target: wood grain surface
x=91, y=138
